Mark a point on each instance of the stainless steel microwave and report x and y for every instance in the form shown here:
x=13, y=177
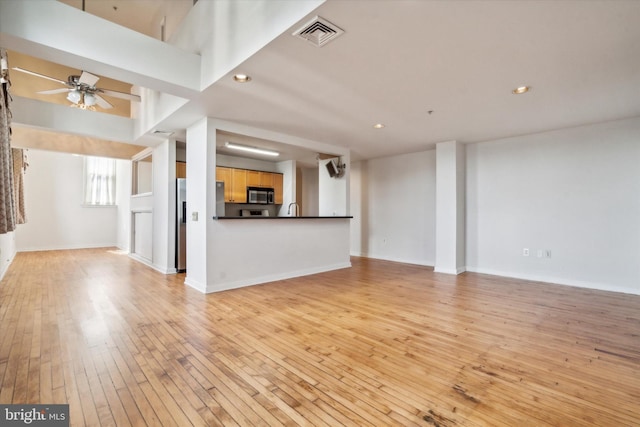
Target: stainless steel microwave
x=260, y=196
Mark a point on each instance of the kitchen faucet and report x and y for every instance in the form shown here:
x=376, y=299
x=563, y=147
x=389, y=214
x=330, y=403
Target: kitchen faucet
x=297, y=209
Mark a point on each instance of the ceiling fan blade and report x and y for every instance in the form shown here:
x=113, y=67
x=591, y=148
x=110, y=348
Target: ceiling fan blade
x=22, y=70
x=53, y=91
x=121, y=95
x=88, y=79
x=102, y=103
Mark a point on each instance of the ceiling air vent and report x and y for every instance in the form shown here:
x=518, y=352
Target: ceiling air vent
x=318, y=31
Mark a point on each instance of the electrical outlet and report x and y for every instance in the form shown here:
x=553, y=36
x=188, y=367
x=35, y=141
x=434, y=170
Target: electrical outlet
x=525, y=252
x=547, y=253
x=539, y=253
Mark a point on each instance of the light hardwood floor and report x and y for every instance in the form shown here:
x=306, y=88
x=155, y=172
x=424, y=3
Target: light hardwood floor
x=376, y=345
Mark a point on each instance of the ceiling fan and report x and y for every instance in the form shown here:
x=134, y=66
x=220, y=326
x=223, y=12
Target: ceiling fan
x=82, y=90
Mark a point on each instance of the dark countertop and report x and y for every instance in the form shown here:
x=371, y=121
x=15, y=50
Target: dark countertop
x=279, y=217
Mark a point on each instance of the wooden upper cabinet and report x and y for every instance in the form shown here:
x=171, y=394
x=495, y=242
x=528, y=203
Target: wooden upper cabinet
x=266, y=179
x=236, y=182
x=259, y=179
x=181, y=170
x=238, y=185
x=253, y=178
x=224, y=175
x=278, y=188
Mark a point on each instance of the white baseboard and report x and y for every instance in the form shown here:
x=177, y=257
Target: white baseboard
x=148, y=263
x=66, y=247
x=5, y=266
x=394, y=259
x=201, y=287
x=555, y=280
x=450, y=270
x=271, y=278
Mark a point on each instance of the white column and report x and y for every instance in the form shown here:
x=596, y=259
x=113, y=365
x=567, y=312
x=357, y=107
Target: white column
x=164, y=202
x=201, y=200
x=450, y=207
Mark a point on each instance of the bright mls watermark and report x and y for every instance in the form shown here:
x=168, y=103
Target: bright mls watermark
x=34, y=415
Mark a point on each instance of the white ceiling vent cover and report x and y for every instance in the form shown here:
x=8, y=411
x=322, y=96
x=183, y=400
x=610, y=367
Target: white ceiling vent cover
x=318, y=31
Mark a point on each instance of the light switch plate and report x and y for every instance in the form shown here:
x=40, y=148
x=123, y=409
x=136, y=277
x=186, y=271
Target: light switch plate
x=194, y=216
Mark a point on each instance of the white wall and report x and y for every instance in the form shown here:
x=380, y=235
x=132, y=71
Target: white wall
x=575, y=192
x=393, y=205
x=164, y=206
x=156, y=211
x=310, y=196
x=332, y=192
x=227, y=32
x=56, y=218
x=7, y=251
x=123, y=195
x=140, y=217
x=201, y=155
x=450, y=210
x=245, y=163
x=245, y=252
x=288, y=171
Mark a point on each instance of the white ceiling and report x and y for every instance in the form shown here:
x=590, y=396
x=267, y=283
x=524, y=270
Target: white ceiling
x=400, y=59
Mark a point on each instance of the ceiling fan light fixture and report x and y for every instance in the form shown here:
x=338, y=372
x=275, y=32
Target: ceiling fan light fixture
x=74, y=96
x=89, y=99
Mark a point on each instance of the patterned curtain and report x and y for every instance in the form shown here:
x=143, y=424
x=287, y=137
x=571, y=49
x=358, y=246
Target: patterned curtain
x=7, y=202
x=19, y=168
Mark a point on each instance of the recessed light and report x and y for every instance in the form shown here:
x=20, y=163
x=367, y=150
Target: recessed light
x=241, y=78
x=520, y=90
x=378, y=126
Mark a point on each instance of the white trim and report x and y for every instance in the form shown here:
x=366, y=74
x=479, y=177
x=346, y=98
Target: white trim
x=142, y=154
x=394, y=259
x=150, y=264
x=141, y=259
x=556, y=281
x=8, y=264
x=270, y=278
x=164, y=270
x=69, y=247
x=200, y=287
x=449, y=270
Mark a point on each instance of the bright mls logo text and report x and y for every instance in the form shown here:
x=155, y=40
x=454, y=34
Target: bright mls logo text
x=45, y=415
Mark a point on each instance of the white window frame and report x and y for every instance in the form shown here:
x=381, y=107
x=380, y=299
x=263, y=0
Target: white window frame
x=99, y=188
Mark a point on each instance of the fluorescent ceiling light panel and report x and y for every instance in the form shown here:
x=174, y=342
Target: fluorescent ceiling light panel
x=251, y=149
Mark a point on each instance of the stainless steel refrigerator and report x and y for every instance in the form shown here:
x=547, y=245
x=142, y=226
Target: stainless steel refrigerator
x=181, y=224
x=220, y=198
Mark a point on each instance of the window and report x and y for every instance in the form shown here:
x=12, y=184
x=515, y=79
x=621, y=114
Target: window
x=100, y=181
x=142, y=174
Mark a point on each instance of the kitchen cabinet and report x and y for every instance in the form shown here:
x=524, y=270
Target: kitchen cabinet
x=266, y=179
x=259, y=179
x=181, y=170
x=235, y=184
x=278, y=188
x=253, y=178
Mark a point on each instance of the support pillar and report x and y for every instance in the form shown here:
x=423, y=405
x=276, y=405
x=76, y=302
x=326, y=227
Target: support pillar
x=201, y=200
x=450, y=208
